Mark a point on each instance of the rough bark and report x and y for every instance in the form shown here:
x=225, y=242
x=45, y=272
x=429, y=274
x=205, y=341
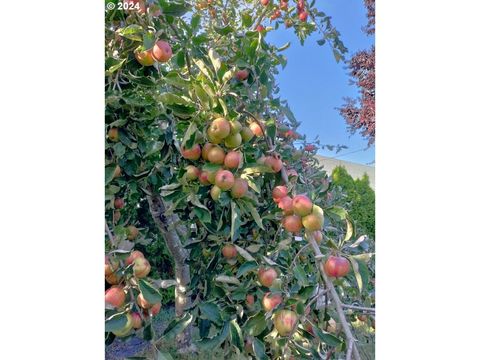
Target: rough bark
x=167, y=225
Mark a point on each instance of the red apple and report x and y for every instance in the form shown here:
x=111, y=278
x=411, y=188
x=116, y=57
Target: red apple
x=232, y=159
x=267, y=276
x=302, y=205
x=113, y=279
x=215, y=192
x=118, y=203
x=205, y=150
x=271, y=301
x=264, y=2
x=192, y=154
x=136, y=320
x=275, y=163
x=286, y=204
x=241, y=75
x=134, y=255
x=250, y=299
x=312, y=222
x=337, y=266
x=141, y=268
x=142, y=302
x=113, y=134
x=229, y=251
x=219, y=128
x=279, y=192
x=256, y=129
x=203, y=178
x=110, y=266
x=318, y=236
x=145, y=57
x=216, y=155
x=155, y=309
x=162, y=52
x=292, y=223
x=192, y=172
x=260, y=28
x=239, y=188
x=224, y=179
x=303, y=16
x=285, y=322
x=115, y=296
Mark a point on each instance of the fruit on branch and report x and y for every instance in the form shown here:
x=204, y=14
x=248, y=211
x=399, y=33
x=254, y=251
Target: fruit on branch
x=239, y=188
x=260, y=28
x=142, y=302
x=362, y=317
x=117, y=172
x=317, y=211
x=192, y=154
x=162, y=52
x=250, y=299
x=141, y=268
x=247, y=134
x=241, y=75
x=115, y=296
x=192, y=172
x=229, y=251
x=302, y=205
x=136, y=320
x=256, y=129
x=292, y=223
x=215, y=192
x=232, y=159
x=110, y=266
x=206, y=149
x=284, y=5
x=118, y=203
x=279, y=192
x=155, y=309
x=276, y=14
x=266, y=276
x=318, y=236
x=332, y=326
x=300, y=5
x=203, y=178
x=288, y=23
x=310, y=147
x=235, y=127
x=219, y=128
x=113, y=134
x=312, y=222
x=303, y=16
x=145, y=58
x=271, y=301
x=275, y=163
x=133, y=256
x=233, y=141
x=224, y=179
x=337, y=266
x=264, y=2
x=132, y=232
x=126, y=329
x=286, y=204
x=309, y=328
x=285, y=322
x=113, y=279
x=216, y=155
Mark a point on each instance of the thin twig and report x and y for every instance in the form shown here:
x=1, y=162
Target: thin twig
x=361, y=308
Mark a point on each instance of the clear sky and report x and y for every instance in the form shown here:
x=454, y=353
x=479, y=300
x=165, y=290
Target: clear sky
x=314, y=84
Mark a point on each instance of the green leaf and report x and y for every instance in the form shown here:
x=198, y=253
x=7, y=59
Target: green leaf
x=227, y=279
x=271, y=129
x=203, y=68
x=321, y=42
x=202, y=96
x=169, y=98
x=256, y=324
x=236, y=222
x=236, y=336
x=306, y=292
x=177, y=326
x=149, y=292
x=349, y=232
x=326, y=337
x=300, y=275
x=254, y=213
x=284, y=47
x=211, y=312
x=212, y=343
x=109, y=173
x=337, y=212
x=162, y=355
x=174, y=8
x=115, y=322
x=356, y=271
x=117, y=65
x=246, y=267
x=132, y=32
x=223, y=30
x=215, y=59
x=203, y=215
x=189, y=137
x=147, y=332
x=148, y=40
x=175, y=79
x=246, y=19
x=259, y=349
x=195, y=22
x=257, y=169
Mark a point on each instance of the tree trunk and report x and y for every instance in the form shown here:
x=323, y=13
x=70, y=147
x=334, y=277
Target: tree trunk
x=168, y=226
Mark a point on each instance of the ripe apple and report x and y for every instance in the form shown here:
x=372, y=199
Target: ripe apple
x=192, y=154
x=337, y=266
x=303, y=16
x=132, y=232
x=264, y=2
x=192, y=172
x=219, y=128
x=203, y=178
x=224, y=179
x=239, y=188
x=215, y=192
x=110, y=266
x=312, y=222
x=285, y=322
x=116, y=216
x=250, y=299
x=279, y=192
x=141, y=268
x=113, y=134
x=136, y=320
x=229, y=251
x=274, y=163
x=233, y=141
x=286, y=204
x=362, y=317
x=232, y=159
x=126, y=329
x=118, y=203
x=235, y=127
x=113, y=279
x=206, y=148
x=241, y=75
x=318, y=236
x=310, y=147
x=142, y=302
x=155, y=309
x=216, y=155
x=247, y=134
x=256, y=129
x=302, y=205
x=260, y=28
x=145, y=57
x=134, y=255
x=276, y=14
x=115, y=296
x=117, y=172
x=271, y=301
x=292, y=223
x=284, y=5
x=267, y=276
x=162, y=52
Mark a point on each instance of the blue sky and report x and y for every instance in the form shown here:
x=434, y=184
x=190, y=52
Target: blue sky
x=314, y=84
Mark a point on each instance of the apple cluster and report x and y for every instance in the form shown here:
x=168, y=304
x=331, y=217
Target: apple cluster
x=117, y=296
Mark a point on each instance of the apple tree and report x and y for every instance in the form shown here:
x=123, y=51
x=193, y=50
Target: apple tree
x=202, y=155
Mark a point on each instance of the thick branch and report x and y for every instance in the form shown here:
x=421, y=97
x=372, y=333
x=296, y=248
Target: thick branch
x=361, y=308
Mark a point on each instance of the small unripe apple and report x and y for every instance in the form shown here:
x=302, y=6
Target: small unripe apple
x=215, y=192
x=256, y=129
x=239, y=188
x=145, y=57
x=216, y=155
x=285, y=322
x=233, y=141
x=113, y=134
x=229, y=251
x=266, y=276
x=141, y=268
x=247, y=134
x=115, y=296
x=118, y=203
x=292, y=223
x=312, y=222
x=136, y=320
x=232, y=159
x=142, y=302
x=162, y=52
x=279, y=192
x=337, y=266
x=250, y=299
x=286, y=204
x=126, y=329
x=302, y=205
x=192, y=172
x=241, y=75
x=134, y=255
x=235, y=127
x=220, y=128
x=192, y=154
x=224, y=179
x=271, y=301
x=132, y=232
